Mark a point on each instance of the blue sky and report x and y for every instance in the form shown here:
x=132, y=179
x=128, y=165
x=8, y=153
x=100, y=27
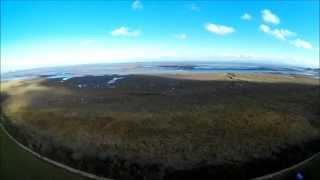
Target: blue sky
x=50, y=33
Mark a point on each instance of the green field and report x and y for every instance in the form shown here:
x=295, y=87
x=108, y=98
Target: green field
x=18, y=164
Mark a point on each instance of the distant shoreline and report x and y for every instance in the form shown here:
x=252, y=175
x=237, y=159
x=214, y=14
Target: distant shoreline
x=202, y=76
x=162, y=68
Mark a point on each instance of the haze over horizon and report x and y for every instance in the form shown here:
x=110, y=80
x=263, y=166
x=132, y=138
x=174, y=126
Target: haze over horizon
x=41, y=34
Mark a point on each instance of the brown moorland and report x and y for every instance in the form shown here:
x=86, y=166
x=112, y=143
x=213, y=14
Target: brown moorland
x=167, y=126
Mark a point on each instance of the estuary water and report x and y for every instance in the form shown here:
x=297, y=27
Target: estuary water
x=66, y=72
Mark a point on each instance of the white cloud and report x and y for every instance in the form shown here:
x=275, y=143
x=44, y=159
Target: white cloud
x=282, y=34
x=124, y=31
x=299, y=43
x=269, y=17
x=137, y=5
x=264, y=28
x=246, y=16
x=219, y=29
x=194, y=7
x=181, y=36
